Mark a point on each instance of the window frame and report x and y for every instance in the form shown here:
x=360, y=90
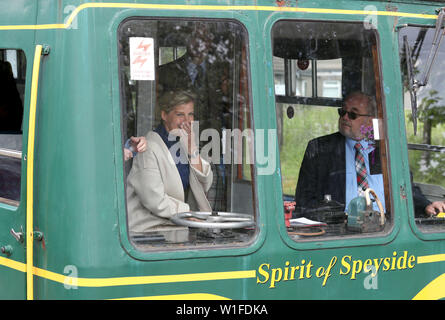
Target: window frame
x=426, y=236
x=179, y=252
x=378, y=238
x=21, y=79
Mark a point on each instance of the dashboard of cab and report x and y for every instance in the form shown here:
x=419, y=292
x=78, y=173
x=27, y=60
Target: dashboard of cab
x=198, y=230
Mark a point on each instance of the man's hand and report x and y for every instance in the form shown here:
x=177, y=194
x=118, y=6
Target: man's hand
x=434, y=208
x=127, y=154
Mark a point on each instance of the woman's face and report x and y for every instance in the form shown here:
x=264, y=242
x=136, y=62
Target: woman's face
x=180, y=114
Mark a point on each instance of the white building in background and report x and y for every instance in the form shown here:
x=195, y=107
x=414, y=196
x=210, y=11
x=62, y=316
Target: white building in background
x=328, y=81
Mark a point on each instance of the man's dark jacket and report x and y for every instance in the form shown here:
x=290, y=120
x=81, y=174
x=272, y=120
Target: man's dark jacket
x=323, y=171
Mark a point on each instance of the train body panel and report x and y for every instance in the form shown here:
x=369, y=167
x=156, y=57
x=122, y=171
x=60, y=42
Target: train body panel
x=81, y=244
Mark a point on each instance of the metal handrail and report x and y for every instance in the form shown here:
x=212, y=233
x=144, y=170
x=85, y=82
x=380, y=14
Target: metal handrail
x=10, y=153
x=425, y=147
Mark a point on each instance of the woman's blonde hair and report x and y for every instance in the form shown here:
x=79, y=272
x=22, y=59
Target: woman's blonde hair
x=170, y=99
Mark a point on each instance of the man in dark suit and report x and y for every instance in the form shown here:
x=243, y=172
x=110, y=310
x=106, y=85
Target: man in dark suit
x=199, y=71
x=322, y=171
x=328, y=166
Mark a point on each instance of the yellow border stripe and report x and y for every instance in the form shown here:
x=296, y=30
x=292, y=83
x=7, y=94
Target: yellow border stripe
x=13, y=264
x=84, y=6
x=433, y=291
x=122, y=281
x=34, y=27
x=125, y=281
x=30, y=174
x=186, y=296
x=243, y=8
x=431, y=258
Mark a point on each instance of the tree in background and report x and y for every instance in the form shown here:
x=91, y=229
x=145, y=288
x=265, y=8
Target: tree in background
x=428, y=166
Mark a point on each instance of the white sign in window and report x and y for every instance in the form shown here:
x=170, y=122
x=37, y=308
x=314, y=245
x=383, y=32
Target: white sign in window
x=142, y=59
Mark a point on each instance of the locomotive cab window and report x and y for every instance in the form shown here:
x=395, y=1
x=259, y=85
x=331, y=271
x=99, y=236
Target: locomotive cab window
x=330, y=128
x=424, y=105
x=12, y=87
x=186, y=126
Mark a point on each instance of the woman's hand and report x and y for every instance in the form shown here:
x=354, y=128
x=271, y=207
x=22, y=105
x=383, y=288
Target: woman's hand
x=192, y=149
x=138, y=144
x=189, y=135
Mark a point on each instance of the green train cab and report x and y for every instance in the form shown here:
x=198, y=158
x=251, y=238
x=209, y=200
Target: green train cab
x=205, y=150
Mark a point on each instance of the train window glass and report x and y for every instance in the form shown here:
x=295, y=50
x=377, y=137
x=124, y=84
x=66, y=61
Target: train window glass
x=287, y=75
x=12, y=87
x=319, y=126
x=427, y=145
x=180, y=79
x=168, y=54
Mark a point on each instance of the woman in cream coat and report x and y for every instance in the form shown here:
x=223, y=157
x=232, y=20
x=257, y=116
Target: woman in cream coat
x=165, y=180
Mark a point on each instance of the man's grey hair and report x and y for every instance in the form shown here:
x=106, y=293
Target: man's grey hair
x=372, y=104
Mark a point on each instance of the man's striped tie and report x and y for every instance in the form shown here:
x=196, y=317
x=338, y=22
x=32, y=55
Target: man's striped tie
x=360, y=168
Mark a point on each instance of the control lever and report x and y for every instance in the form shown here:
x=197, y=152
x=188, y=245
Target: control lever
x=18, y=235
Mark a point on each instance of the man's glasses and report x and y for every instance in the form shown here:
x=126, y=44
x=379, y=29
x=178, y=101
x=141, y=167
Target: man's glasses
x=351, y=114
